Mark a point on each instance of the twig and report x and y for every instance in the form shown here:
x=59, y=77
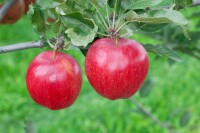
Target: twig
x=195, y=3
x=5, y=8
x=21, y=46
x=152, y=117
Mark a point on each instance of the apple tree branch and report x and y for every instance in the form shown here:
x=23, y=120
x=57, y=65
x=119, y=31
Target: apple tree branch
x=21, y=46
x=154, y=119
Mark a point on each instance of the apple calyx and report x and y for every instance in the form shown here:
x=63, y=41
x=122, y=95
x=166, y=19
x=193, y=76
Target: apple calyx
x=114, y=35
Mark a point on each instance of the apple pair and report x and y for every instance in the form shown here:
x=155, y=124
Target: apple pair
x=115, y=69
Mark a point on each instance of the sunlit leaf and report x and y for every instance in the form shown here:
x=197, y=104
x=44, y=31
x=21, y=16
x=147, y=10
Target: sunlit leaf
x=158, y=17
x=79, y=40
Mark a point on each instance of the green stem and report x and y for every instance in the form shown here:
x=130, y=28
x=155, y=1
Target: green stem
x=104, y=22
x=122, y=26
x=113, y=23
x=107, y=14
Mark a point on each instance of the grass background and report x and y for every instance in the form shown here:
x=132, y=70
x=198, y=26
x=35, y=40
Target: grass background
x=176, y=90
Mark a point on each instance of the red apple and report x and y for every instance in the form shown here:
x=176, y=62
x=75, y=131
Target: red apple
x=14, y=13
x=54, y=82
x=116, y=70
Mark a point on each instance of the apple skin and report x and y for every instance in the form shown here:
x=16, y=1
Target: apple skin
x=27, y=3
x=116, y=71
x=54, y=83
x=14, y=13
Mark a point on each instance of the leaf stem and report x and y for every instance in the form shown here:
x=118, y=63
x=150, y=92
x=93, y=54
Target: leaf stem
x=107, y=14
x=119, y=20
x=104, y=22
x=113, y=22
x=122, y=26
x=102, y=34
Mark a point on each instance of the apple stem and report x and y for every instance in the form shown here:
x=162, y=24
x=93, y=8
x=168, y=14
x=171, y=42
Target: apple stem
x=116, y=40
x=54, y=53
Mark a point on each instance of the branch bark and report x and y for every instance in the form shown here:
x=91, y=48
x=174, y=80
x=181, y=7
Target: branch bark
x=21, y=46
x=152, y=117
x=5, y=8
x=196, y=3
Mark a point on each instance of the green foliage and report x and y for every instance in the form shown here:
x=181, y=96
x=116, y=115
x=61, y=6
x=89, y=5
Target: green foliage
x=83, y=21
x=36, y=16
x=78, y=23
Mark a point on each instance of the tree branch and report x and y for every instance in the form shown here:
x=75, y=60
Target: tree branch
x=21, y=46
x=152, y=117
x=196, y=3
x=5, y=8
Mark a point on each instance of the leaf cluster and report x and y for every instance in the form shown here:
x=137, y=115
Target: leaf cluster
x=81, y=22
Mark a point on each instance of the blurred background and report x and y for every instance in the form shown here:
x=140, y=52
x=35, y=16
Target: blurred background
x=171, y=92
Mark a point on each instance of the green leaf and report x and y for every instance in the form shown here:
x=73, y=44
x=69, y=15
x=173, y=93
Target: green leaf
x=79, y=40
x=171, y=62
x=142, y=4
x=115, y=4
x=158, y=17
x=185, y=118
x=36, y=15
x=162, y=50
x=68, y=7
x=146, y=88
x=150, y=27
x=57, y=28
x=79, y=24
